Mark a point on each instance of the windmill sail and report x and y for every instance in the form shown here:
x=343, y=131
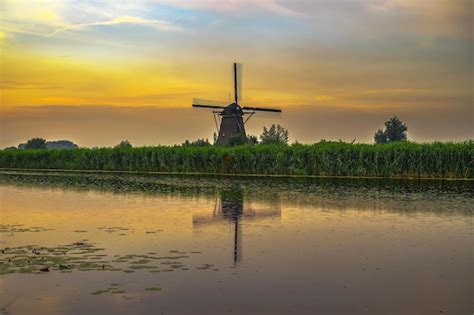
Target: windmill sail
x=199, y=102
x=238, y=82
x=273, y=110
x=228, y=118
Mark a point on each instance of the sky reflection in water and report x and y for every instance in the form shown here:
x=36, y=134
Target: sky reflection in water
x=245, y=245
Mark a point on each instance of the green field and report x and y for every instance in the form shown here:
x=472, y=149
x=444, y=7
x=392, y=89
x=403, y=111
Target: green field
x=403, y=159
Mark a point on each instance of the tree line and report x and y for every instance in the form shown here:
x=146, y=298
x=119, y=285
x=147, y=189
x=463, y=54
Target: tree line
x=394, y=131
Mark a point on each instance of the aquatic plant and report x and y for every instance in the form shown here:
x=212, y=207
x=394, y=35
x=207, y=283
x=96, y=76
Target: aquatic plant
x=79, y=256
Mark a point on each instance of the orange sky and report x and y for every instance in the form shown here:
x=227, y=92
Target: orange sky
x=350, y=61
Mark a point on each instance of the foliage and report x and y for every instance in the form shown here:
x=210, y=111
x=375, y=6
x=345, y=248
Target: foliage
x=275, y=135
x=237, y=139
x=124, y=144
x=35, y=144
x=197, y=143
x=40, y=143
x=380, y=137
x=394, y=131
x=61, y=145
x=251, y=139
x=400, y=159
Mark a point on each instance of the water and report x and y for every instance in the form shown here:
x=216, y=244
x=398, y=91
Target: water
x=123, y=244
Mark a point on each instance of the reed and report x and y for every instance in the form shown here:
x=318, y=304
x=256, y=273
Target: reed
x=403, y=159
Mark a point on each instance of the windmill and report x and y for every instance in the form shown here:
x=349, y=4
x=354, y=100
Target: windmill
x=231, y=116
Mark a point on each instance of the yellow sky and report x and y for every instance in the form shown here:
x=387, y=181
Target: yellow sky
x=401, y=57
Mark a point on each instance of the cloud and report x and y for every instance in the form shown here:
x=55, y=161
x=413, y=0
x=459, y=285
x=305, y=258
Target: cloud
x=162, y=25
x=436, y=18
x=10, y=84
x=49, y=18
x=272, y=6
x=447, y=18
x=360, y=54
x=443, y=18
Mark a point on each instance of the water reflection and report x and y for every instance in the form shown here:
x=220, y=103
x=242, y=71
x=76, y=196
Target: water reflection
x=233, y=207
x=401, y=196
x=334, y=244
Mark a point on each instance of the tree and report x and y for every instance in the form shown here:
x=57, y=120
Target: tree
x=275, y=135
x=251, y=139
x=394, y=131
x=124, y=144
x=380, y=137
x=196, y=143
x=61, y=145
x=236, y=140
x=35, y=144
x=239, y=140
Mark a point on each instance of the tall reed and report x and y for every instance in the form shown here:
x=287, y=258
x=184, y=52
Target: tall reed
x=403, y=159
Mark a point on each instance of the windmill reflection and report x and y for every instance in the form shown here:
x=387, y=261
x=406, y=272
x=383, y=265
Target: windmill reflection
x=232, y=207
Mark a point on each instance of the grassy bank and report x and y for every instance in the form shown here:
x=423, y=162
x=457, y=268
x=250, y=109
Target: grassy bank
x=436, y=160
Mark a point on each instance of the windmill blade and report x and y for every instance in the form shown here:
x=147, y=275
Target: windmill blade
x=208, y=106
x=273, y=110
x=238, y=82
x=198, y=102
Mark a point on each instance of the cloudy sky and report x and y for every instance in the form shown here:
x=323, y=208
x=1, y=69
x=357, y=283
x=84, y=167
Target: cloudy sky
x=97, y=72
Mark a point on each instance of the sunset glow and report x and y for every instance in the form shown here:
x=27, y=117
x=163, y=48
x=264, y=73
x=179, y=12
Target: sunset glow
x=412, y=58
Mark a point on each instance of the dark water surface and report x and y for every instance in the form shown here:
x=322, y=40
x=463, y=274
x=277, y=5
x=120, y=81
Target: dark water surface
x=149, y=244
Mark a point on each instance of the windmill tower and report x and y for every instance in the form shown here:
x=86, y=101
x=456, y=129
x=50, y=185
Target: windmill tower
x=229, y=119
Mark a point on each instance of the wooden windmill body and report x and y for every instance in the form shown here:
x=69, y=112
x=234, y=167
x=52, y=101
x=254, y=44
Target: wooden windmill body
x=232, y=123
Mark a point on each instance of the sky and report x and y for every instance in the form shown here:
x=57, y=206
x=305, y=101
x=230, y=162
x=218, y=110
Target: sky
x=100, y=71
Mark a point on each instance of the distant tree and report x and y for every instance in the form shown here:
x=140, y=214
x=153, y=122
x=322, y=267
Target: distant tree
x=124, y=144
x=251, y=139
x=275, y=135
x=380, y=137
x=61, y=145
x=196, y=143
x=394, y=131
x=236, y=140
x=12, y=148
x=35, y=144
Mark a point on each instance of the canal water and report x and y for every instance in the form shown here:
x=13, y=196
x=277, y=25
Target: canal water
x=158, y=244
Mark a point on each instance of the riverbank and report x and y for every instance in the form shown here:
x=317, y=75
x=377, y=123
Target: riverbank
x=325, y=159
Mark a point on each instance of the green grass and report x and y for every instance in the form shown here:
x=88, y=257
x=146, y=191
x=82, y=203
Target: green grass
x=403, y=159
